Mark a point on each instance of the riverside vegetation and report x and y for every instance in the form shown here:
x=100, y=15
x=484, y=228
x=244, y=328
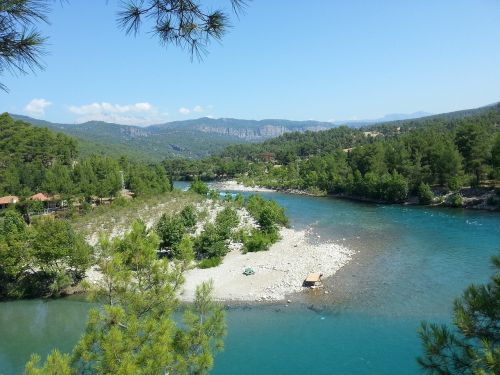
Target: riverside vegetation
x=387, y=163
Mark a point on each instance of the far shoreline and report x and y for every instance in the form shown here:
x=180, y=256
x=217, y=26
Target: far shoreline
x=233, y=185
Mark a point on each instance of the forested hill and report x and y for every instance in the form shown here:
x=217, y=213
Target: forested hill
x=36, y=160
x=190, y=138
x=299, y=145
x=388, y=162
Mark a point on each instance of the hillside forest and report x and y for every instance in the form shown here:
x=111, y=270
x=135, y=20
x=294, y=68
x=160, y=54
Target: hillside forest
x=387, y=162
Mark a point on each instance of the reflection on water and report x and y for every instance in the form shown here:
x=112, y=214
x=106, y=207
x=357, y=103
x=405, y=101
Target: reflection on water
x=410, y=263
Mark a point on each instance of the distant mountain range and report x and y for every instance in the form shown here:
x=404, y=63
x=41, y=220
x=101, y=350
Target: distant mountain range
x=190, y=138
x=195, y=138
x=386, y=118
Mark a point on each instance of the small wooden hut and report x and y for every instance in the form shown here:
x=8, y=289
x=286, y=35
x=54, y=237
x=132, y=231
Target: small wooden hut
x=313, y=280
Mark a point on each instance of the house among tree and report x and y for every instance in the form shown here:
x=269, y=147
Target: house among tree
x=49, y=203
x=7, y=201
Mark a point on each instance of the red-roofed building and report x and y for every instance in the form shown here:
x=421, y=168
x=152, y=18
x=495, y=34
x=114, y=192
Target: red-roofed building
x=50, y=203
x=40, y=197
x=7, y=201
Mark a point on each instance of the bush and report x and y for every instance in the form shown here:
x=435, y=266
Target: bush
x=209, y=243
x=85, y=207
x=425, y=194
x=455, y=200
x=214, y=194
x=259, y=241
x=41, y=259
x=188, y=215
x=225, y=221
x=210, y=262
x=268, y=213
x=199, y=187
x=170, y=229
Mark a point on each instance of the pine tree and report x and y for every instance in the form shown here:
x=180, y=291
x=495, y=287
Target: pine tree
x=474, y=346
x=134, y=331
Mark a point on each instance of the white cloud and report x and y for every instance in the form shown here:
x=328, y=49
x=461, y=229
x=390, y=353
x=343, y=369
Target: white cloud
x=196, y=108
x=37, y=107
x=130, y=114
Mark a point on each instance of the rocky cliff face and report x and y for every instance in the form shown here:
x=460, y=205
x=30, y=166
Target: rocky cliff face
x=134, y=132
x=255, y=133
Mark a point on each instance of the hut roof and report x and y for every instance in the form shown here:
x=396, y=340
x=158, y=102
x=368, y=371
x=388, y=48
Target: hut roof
x=40, y=197
x=9, y=199
x=313, y=277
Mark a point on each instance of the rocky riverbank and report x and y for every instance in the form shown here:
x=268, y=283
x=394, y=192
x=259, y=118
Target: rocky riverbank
x=280, y=271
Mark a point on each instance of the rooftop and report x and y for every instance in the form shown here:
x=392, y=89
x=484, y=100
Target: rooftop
x=9, y=199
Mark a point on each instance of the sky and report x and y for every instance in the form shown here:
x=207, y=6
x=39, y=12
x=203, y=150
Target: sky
x=324, y=60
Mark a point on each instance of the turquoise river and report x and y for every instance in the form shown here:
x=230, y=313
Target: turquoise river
x=410, y=263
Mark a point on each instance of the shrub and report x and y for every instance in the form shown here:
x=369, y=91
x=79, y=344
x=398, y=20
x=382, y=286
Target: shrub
x=199, y=187
x=85, y=207
x=273, y=215
x=225, y=221
x=170, y=229
x=239, y=200
x=214, y=194
x=209, y=243
x=425, y=194
x=455, y=200
x=259, y=240
x=210, y=262
x=188, y=215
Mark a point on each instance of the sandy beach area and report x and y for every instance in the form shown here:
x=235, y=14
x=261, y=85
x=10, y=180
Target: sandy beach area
x=235, y=186
x=278, y=272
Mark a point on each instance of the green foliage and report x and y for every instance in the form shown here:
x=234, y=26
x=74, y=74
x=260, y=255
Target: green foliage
x=225, y=221
x=188, y=215
x=388, y=164
x=210, y=262
x=40, y=260
x=495, y=155
x=210, y=244
x=472, y=347
x=27, y=154
x=199, y=187
x=20, y=41
x=267, y=213
x=118, y=202
x=170, y=229
x=134, y=330
x=455, y=200
x=425, y=194
x=38, y=160
x=259, y=240
x=145, y=179
x=56, y=364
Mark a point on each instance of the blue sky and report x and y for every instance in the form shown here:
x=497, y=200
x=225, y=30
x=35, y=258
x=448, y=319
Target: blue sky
x=321, y=59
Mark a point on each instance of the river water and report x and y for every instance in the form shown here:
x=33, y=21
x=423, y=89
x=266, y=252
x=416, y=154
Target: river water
x=410, y=263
